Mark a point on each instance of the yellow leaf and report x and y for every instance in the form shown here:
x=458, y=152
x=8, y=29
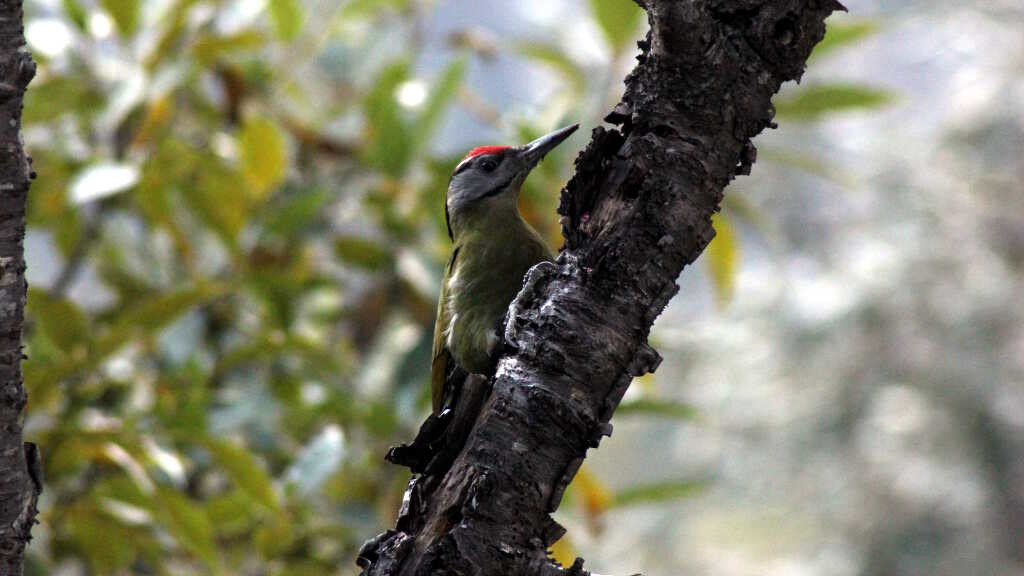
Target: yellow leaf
x=646, y=383
x=723, y=256
x=156, y=118
x=563, y=551
x=596, y=497
x=287, y=17
x=264, y=159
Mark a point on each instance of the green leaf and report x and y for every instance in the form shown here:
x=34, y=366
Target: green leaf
x=145, y=318
x=125, y=14
x=231, y=514
x=842, y=34
x=209, y=48
x=659, y=492
x=264, y=159
x=122, y=488
x=380, y=419
x=48, y=204
x=654, y=407
x=183, y=397
x=441, y=95
x=173, y=30
x=287, y=17
x=76, y=13
x=296, y=212
x=162, y=309
x=813, y=102
x=807, y=163
x=245, y=471
x=723, y=255
x=189, y=525
x=740, y=209
x=58, y=96
x=172, y=164
x=361, y=252
x=60, y=319
x=219, y=198
x=618, y=20
x=274, y=537
x=306, y=568
x=390, y=143
x=363, y=8
x=554, y=57
x=315, y=358
x=108, y=546
x=151, y=315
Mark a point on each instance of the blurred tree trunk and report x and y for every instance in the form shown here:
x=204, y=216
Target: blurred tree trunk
x=20, y=482
x=637, y=211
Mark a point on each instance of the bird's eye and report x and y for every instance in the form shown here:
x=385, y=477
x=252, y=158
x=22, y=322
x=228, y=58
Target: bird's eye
x=488, y=165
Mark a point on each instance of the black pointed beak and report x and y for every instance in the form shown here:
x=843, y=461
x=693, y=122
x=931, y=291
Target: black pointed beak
x=535, y=151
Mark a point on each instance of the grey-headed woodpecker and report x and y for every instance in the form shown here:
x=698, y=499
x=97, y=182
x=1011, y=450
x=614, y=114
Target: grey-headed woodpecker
x=493, y=248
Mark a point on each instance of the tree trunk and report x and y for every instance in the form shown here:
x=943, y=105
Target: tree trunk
x=636, y=212
x=20, y=479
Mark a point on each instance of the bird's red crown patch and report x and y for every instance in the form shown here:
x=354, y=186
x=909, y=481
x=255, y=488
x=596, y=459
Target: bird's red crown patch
x=484, y=150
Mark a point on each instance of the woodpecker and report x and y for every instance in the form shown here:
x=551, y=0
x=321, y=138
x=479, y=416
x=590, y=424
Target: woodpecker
x=492, y=249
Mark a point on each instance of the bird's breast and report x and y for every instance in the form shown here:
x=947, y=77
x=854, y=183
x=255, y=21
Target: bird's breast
x=478, y=296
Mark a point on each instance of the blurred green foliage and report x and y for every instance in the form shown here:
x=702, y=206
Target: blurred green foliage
x=249, y=231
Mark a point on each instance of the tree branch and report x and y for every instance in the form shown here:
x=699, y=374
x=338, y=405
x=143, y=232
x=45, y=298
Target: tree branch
x=20, y=477
x=637, y=211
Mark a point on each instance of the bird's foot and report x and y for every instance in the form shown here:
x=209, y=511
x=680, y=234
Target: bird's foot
x=417, y=454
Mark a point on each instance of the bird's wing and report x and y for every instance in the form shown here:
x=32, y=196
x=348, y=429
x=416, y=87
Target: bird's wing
x=441, y=357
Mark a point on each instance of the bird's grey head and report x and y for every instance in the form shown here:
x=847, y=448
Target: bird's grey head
x=496, y=173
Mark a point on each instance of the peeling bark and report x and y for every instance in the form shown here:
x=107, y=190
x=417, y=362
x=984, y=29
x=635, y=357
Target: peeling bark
x=637, y=211
x=20, y=478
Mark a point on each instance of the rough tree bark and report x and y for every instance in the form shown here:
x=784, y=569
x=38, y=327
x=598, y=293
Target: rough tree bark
x=637, y=211
x=20, y=479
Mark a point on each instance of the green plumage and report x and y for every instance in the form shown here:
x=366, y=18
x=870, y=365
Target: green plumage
x=493, y=249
